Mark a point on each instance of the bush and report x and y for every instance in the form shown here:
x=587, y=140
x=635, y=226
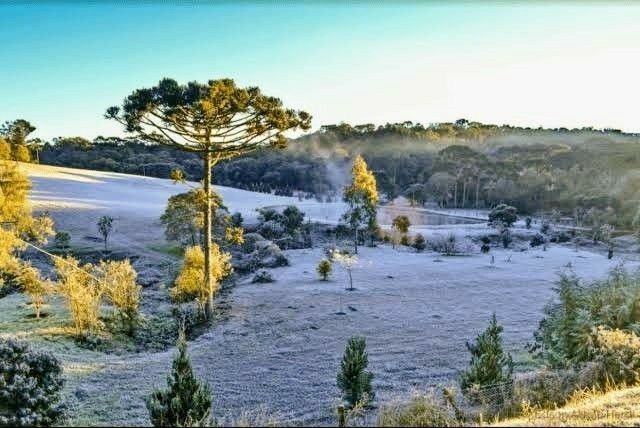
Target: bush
x=186, y=401
x=404, y=240
x=537, y=240
x=490, y=366
x=419, y=243
x=545, y=227
x=505, y=237
x=30, y=385
x=121, y=289
x=422, y=410
x=37, y=288
x=616, y=354
x=62, y=240
x=262, y=277
x=527, y=222
x=353, y=379
x=485, y=248
x=324, y=269
x=503, y=215
x=83, y=293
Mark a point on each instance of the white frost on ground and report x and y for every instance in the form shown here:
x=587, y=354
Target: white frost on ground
x=283, y=341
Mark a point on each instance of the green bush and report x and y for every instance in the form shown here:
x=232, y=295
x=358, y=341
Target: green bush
x=324, y=269
x=186, y=401
x=353, y=379
x=419, y=243
x=30, y=385
x=490, y=366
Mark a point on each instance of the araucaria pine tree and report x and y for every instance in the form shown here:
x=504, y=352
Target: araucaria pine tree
x=186, y=401
x=490, y=366
x=362, y=198
x=353, y=379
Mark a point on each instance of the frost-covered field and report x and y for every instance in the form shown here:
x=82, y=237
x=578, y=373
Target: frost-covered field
x=282, y=342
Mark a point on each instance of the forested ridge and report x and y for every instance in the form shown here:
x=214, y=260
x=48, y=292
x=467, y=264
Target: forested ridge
x=590, y=174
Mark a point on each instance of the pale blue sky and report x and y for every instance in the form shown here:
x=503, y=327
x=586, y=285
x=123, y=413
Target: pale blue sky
x=541, y=63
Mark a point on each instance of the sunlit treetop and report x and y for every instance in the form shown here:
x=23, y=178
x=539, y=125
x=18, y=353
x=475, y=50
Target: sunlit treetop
x=216, y=117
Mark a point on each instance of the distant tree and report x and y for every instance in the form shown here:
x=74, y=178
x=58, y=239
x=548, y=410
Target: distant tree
x=353, y=378
x=503, y=216
x=324, y=269
x=190, y=284
x=186, y=401
x=217, y=121
x=105, y=226
x=16, y=133
x=347, y=261
x=489, y=365
x=62, y=240
x=419, y=243
x=37, y=288
x=30, y=386
x=527, y=222
x=361, y=197
x=400, y=225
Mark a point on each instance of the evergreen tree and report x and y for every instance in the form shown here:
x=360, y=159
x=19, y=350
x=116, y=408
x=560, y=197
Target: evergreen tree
x=419, y=243
x=324, y=269
x=353, y=379
x=362, y=198
x=186, y=401
x=489, y=365
x=105, y=225
x=30, y=385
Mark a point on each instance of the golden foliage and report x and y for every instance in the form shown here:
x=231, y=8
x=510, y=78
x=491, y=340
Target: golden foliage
x=190, y=284
x=363, y=186
x=234, y=235
x=82, y=291
x=37, y=288
x=119, y=282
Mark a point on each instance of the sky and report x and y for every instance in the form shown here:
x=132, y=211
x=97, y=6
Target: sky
x=567, y=64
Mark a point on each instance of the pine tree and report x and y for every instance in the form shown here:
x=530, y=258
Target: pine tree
x=489, y=365
x=419, y=243
x=353, y=378
x=186, y=401
x=324, y=269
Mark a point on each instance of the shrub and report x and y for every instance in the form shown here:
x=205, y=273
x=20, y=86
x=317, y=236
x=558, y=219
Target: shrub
x=503, y=215
x=616, y=354
x=485, y=248
x=543, y=389
x=62, y=240
x=404, y=240
x=35, y=287
x=505, y=237
x=186, y=401
x=527, y=222
x=422, y=410
x=324, y=269
x=419, y=243
x=82, y=291
x=545, y=227
x=489, y=365
x=537, y=240
x=353, y=379
x=30, y=385
x=190, y=284
x=262, y=277
x=236, y=219
x=121, y=289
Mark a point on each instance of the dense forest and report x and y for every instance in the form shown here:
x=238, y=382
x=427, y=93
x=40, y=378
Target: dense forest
x=590, y=175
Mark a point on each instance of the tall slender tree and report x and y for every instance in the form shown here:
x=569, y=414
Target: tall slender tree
x=362, y=198
x=218, y=120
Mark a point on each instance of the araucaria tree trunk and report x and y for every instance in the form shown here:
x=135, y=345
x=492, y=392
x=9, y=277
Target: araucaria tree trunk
x=208, y=268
